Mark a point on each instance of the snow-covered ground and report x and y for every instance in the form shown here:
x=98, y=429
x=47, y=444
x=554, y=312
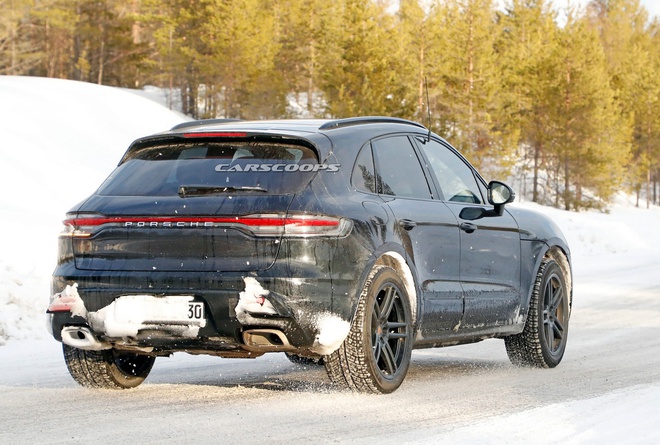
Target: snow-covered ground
x=61, y=138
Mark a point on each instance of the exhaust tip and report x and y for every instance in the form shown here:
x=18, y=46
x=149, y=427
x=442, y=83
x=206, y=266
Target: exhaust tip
x=266, y=340
x=82, y=337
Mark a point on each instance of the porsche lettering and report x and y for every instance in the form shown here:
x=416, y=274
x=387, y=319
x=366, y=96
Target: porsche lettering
x=169, y=224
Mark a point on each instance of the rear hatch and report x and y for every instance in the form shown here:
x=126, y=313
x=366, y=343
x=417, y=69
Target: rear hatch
x=196, y=204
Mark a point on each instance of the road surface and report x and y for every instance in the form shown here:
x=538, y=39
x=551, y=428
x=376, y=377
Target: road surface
x=463, y=393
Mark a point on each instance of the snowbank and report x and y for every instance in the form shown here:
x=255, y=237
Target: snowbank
x=60, y=140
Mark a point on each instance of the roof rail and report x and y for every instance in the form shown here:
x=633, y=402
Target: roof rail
x=338, y=123
x=202, y=122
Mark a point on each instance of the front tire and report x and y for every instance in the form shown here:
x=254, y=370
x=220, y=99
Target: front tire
x=375, y=356
x=543, y=341
x=107, y=369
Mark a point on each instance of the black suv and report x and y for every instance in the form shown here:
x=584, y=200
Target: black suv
x=349, y=242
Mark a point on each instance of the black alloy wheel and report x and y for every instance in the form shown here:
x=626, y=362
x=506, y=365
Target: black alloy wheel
x=389, y=330
x=555, y=315
x=543, y=340
x=375, y=356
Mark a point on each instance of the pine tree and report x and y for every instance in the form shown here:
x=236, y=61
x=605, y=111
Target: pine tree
x=359, y=68
x=647, y=116
x=53, y=26
x=176, y=27
x=420, y=45
x=590, y=139
x=469, y=85
x=527, y=40
x=242, y=57
x=303, y=28
x=88, y=41
x=18, y=53
x=623, y=29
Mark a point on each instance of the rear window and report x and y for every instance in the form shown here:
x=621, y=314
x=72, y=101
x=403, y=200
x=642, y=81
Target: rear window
x=196, y=168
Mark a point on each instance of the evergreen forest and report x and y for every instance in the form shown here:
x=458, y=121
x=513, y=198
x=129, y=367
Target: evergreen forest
x=568, y=100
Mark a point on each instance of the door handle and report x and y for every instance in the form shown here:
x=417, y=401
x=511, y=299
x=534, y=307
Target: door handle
x=407, y=224
x=468, y=227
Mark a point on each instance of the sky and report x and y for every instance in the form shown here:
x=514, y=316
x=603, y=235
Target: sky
x=652, y=6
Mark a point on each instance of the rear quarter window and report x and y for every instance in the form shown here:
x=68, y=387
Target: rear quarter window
x=364, y=176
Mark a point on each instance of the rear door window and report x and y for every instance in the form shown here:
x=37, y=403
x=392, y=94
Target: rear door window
x=399, y=170
x=194, y=168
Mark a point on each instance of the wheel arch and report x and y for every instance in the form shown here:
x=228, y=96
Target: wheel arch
x=358, y=364
x=541, y=251
x=397, y=261
x=563, y=259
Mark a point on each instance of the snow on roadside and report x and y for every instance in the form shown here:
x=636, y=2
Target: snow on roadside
x=594, y=233
x=607, y=419
x=624, y=241
x=60, y=140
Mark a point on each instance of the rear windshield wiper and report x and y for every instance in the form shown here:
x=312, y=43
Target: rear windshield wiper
x=197, y=190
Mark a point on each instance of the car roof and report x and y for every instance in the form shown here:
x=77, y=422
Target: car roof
x=303, y=125
x=323, y=134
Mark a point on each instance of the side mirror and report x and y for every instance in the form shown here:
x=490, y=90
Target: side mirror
x=499, y=194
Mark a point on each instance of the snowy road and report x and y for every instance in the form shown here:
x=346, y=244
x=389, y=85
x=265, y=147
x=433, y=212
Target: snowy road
x=606, y=390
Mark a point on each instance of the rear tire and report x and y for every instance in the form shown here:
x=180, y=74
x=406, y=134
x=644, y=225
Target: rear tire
x=107, y=369
x=543, y=341
x=304, y=361
x=375, y=356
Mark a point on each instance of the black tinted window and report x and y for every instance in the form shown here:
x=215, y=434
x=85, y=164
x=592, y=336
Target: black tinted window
x=238, y=167
x=455, y=177
x=399, y=170
x=364, y=178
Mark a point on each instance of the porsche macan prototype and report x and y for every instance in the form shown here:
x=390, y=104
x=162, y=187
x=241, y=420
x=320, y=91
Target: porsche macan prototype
x=348, y=242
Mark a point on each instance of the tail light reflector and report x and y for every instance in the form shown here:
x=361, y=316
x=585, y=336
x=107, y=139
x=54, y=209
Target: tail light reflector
x=266, y=225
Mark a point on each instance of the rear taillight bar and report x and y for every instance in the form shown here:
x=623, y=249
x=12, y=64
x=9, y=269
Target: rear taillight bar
x=258, y=225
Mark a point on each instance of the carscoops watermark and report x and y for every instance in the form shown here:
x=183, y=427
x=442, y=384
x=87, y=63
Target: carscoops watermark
x=277, y=168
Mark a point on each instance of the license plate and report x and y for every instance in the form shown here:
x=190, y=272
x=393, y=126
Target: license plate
x=149, y=309
x=195, y=311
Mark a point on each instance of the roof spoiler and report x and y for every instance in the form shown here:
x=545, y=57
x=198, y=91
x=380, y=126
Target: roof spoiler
x=199, y=123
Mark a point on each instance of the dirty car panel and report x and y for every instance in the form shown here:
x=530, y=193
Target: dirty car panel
x=346, y=242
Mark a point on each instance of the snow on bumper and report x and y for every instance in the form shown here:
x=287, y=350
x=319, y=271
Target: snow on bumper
x=129, y=314
x=329, y=329
x=312, y=329
x=332, y=331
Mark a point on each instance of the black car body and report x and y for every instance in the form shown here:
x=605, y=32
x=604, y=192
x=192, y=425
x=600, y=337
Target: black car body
x=334, y=239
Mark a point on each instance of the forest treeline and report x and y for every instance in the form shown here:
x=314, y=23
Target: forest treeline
x=568, y=100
